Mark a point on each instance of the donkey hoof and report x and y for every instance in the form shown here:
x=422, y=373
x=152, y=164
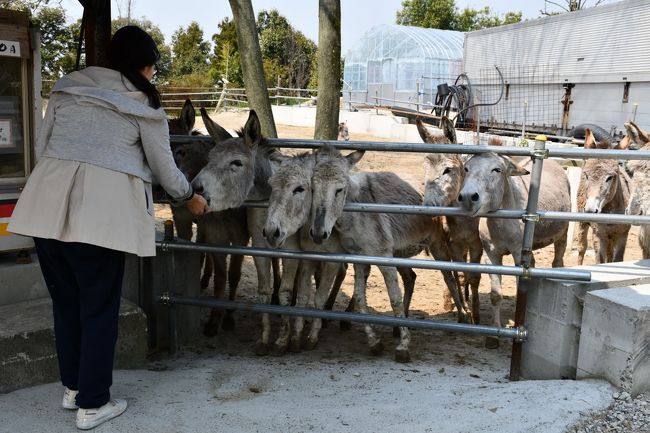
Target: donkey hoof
x=228, y=323
x=262, y=349
x=211, y=328
x=310, y=344
x=402, y=355
x=491, y=343
x=377, y=349
x=345, y=326
x=294, y=346
x=465, y=318
x=280, y=348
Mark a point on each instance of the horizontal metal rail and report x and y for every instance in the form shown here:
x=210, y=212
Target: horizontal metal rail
x=517, y=334
x=517, y=271
x=387, y=146
x=603, y=218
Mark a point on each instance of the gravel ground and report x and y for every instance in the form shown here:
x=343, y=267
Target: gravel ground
x=624, y=415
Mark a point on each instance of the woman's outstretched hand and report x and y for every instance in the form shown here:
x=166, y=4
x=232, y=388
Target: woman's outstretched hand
x=197, y=205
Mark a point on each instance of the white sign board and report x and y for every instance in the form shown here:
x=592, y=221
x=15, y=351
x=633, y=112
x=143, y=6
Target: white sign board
x=5, y=133
x=9, y=48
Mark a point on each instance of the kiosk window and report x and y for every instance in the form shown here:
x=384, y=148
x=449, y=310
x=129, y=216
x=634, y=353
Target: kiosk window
x=12, y=142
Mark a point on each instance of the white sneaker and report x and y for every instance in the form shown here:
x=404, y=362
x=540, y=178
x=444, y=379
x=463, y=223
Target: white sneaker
x=69, y=399
x=90, y=418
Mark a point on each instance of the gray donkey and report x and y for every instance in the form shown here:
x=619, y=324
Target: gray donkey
x=604, y=188
x=239, y=169
x=380, y=234
x=287, y=224
x=226, y=227
x=496, y=182
x=443, y=178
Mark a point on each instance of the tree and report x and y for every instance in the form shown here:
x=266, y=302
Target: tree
x=329, y=69
x=57, y=42
x=476, y=19
x=567, y=6
x=436, y=14
x=190, y=51
x=164, y=65
x=443, y=14
x=225, y=62
x=251, y=62
x=285, y=48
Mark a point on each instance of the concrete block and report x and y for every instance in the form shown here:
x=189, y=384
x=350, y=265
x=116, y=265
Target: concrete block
x=27, y=351
x=554, y=317
x=615, y=337
x=20, y=282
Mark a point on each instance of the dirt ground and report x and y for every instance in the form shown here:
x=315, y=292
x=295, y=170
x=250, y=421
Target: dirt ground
x=428, y=296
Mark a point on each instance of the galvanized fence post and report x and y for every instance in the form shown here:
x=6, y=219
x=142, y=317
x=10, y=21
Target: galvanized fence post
x=168, y=268
x=531, y=217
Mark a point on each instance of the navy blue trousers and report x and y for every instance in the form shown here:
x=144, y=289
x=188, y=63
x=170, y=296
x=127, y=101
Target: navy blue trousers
x=85, y=283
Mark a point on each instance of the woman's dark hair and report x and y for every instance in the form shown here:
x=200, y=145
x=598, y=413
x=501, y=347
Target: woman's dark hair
x=131, y=50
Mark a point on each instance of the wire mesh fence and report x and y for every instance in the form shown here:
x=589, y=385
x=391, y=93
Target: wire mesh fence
x=530, y=98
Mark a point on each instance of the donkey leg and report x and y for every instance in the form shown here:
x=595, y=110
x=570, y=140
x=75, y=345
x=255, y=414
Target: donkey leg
x=234, y=276
x=475, y=254
x=285, y=296
x=619, y=246
x=341, y=269
x=439, y=251
x=559, y=248
x=582, y=233
x=395, y=295
x=495, y=298
x=408, y=279
x=277, y=280
x=212, y=326
x=361, y=273
x=264, y=292
x=328, y=275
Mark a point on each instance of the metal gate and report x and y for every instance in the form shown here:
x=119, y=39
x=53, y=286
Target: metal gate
x=526, y=272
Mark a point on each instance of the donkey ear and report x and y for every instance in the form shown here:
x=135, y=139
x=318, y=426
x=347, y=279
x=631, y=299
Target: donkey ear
x=214, y=129
x=354, y=157
x=636, y=134
x=188, y=116
x=252, y=130
x=590, y=140
x=423, y=131
x=448, y=129
x=513, y=169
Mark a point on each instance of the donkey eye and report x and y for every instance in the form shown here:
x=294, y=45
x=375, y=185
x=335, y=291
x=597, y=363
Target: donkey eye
x=298, y=190
x=339, y=191
x=236, y=163
x=498, y=170
x=609, y=178
x=447, y=171
x=466, y=170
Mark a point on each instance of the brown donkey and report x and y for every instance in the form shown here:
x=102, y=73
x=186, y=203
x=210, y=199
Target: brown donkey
x=604, y=188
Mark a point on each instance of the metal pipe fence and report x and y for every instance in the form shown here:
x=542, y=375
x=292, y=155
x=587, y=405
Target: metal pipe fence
x=531, y=215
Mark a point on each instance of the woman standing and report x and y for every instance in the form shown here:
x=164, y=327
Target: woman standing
x=88, y=201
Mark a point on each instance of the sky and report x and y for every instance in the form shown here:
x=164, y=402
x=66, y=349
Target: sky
x=357, y=16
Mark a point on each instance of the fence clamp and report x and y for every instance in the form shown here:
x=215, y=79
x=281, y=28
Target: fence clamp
x=540, y=153
x=522, y=334
x=165, y=299
x=527, y=217
x=526, y=272
x=164, y=246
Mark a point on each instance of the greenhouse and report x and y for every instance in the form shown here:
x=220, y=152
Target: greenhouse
x=402, y=66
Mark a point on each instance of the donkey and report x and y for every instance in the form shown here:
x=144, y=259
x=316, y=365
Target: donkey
x=639, y=203
x=239, y=169
x=344, y=134
x=604, y=188
x=226, y=227
x=372, y=233
x=443, y=178
x=287, y=222
x=496, y=182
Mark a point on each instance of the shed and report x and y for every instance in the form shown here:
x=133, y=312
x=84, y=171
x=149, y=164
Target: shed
x=395, y=65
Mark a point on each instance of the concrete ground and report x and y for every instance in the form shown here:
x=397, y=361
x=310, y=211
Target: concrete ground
x=218, y=392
